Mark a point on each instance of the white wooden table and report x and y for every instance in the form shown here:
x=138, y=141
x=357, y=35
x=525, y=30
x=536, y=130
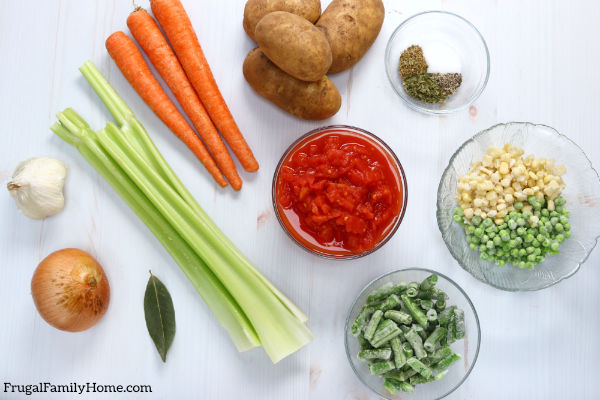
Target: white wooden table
x=540, y=345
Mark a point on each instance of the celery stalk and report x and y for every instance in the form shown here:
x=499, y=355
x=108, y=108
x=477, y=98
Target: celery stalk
x=261, y=306
x=137, y=137
x=215, y=295
x=255, y=312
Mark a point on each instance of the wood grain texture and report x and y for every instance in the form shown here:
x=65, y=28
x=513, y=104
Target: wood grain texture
x=541, y=345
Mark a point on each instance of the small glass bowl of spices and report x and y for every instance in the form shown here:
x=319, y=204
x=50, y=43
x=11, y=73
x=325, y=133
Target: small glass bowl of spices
x=437, y=62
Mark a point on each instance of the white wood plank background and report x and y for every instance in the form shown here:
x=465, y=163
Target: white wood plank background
x=541, y=345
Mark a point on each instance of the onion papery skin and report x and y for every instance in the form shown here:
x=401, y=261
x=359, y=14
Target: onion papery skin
x=70, y=290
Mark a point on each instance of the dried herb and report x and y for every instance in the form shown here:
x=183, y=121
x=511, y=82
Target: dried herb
x=412, y=62
x=160, y=315
x=425, y=88
x=449, y=83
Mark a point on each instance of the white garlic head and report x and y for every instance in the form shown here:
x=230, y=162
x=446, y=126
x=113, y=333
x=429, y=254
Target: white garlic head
x=37, y=186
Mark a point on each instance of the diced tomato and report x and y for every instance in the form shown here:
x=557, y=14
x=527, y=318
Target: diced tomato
x=344, y=190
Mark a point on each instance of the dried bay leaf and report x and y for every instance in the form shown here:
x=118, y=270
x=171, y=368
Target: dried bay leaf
x=160, y=315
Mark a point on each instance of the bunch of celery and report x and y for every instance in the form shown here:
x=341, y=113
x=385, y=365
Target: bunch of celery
x=250, y=308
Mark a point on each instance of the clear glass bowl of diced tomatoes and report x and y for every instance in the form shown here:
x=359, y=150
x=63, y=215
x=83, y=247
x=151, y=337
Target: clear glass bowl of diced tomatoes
x=339, y=192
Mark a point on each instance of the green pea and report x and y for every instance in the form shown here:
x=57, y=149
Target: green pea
x=459, y=211
x=518, y=205
x=554, y=246
x=530, y=249
x=521, y=231
x=545, y=212
x=521, y=221
x=478, y=232
x=529, y=238
x=559, y=227
x=476, y=220
x=567, y=227
x=489, y=244
x=560, y=238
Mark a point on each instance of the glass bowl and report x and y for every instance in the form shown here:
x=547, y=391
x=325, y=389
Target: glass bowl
x=310, y=244
x=582, y=193
x=447, y=35
x=468, y=347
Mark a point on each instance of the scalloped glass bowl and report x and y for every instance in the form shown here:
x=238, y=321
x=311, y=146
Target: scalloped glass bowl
x=582, y=193
x=449, y=33
x=468, y=348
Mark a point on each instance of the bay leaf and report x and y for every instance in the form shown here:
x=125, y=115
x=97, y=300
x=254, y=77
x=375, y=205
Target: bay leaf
x=160, y=315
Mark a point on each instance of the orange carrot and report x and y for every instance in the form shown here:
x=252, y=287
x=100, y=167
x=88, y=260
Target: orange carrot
x=178, y=28
x=151, y=40
x=131, y=63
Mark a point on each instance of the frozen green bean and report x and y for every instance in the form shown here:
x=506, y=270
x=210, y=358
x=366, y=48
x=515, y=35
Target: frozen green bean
x=440, y=305
x=392, y=301
x=418, y=366
x=446, y=315
x=384, y=353
x=415, y=311
x=425, y=304
x=459, y=324
x=440, y=354
x=407, y=349
x=419, y=379
x=412, y=289
x=362, y=319
x=416, y=342
x=399, y=317
x=446, y=362
x=429, y=282
x=406, y=387
x=380, y=294
x=364, y=343
x=381, y=367
x=431, y=315
x=389, y=386
x=434, y=338
x=373, y=323
x=387, y=331
x=419, y=329
x=399, y=356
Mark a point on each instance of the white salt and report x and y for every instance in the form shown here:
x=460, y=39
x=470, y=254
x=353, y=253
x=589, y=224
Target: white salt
x=441, y=58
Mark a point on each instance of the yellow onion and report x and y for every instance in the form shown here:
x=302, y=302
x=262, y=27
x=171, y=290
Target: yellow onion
x=70, y=290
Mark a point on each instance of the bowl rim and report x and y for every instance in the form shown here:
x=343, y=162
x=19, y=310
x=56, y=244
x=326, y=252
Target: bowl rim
x=385, y=147
x=430, y=271
x=415, y=105
x=439, y=210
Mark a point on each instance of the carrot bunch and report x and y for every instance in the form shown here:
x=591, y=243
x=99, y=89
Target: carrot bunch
x=186, y=72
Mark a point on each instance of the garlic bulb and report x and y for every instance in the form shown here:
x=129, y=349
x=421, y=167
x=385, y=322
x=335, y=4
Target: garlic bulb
x=37, y=186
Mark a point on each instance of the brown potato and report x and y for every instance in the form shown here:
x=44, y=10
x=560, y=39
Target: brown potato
x=351, y=27
x=307, y=100
x=256, y=9
x=294, y=45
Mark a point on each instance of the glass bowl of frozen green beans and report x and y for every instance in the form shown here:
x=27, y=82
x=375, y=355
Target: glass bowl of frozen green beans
x=563, y=235
x=412, y=334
